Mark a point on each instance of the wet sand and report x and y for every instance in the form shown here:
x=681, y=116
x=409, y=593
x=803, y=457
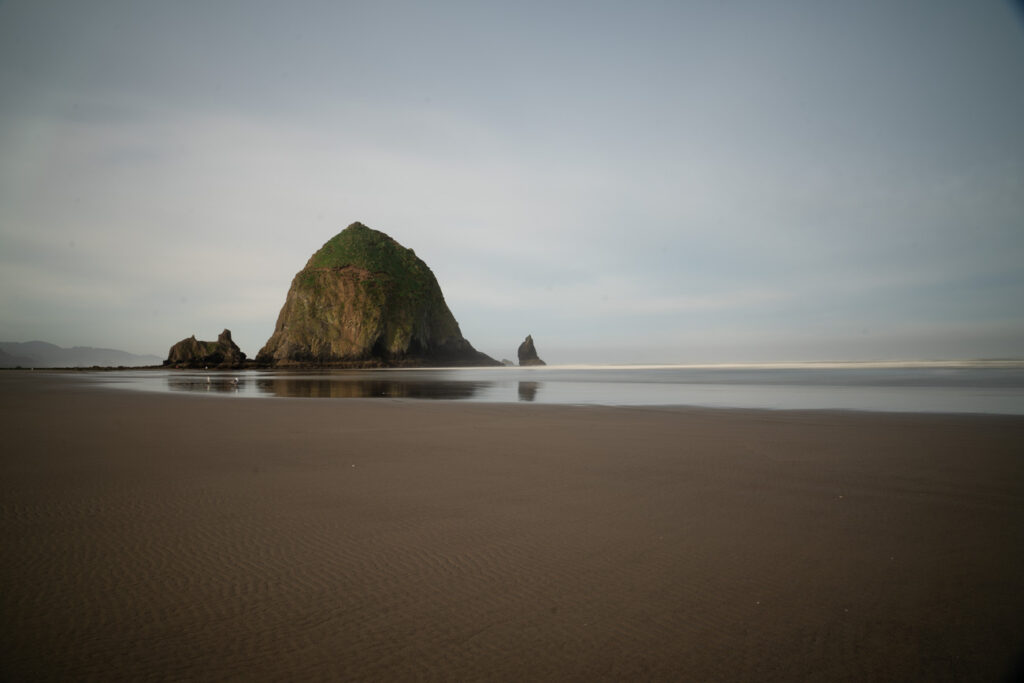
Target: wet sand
x=171, y=537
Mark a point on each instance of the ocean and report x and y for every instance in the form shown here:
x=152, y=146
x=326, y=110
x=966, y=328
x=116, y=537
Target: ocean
x=995, y=387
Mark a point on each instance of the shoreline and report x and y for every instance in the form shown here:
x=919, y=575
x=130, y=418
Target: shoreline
x=970, y=391
x=250, y=364
x=153, y=535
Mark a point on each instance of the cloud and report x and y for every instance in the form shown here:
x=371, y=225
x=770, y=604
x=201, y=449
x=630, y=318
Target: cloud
x=740, y=175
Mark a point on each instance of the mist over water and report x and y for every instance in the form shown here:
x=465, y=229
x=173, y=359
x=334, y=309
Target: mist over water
x=996, y=388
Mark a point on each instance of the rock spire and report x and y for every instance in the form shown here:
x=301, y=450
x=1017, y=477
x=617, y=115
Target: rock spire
x=528, y=353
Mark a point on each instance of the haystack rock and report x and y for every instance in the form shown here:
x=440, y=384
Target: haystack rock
x=192, y=353
x=364, y=300
x=528, y=353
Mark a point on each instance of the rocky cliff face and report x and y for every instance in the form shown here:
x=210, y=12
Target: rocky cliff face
x=364, y=300
x=192, y=353
x=528, y=353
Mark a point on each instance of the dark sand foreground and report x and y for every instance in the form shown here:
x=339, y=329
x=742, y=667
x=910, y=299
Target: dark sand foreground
x=166, y=537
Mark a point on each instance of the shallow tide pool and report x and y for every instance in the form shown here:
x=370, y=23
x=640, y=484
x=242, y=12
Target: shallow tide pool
x=968, y=388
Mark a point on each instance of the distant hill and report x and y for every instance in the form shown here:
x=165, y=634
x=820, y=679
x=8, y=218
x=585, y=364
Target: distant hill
x=9, y=361
x=39, y=354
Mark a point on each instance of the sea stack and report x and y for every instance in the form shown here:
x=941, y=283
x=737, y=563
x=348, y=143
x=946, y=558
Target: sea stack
x=192, y=353
x=528, y=353
x=364, y=300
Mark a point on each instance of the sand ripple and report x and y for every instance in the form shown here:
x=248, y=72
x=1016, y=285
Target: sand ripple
x=174, y=538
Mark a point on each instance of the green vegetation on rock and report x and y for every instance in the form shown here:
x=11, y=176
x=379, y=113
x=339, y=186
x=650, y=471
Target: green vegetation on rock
x=363, y=247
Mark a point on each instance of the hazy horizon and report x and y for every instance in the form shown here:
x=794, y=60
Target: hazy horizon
x=664, y=183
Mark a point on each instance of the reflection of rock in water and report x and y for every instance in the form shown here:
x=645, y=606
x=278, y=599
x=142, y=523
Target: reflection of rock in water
x=325, y=388
x=224, y=385
x=528, y=390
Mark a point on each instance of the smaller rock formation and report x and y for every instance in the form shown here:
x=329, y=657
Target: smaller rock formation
x=528, y=353
x=192, y=353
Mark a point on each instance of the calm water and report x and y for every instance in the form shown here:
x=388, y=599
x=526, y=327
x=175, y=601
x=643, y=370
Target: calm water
x=950, y=388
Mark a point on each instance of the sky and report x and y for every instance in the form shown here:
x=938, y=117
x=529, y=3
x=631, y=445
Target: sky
x=629, y=182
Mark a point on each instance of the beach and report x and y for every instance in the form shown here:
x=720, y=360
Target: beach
x=157, y=536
